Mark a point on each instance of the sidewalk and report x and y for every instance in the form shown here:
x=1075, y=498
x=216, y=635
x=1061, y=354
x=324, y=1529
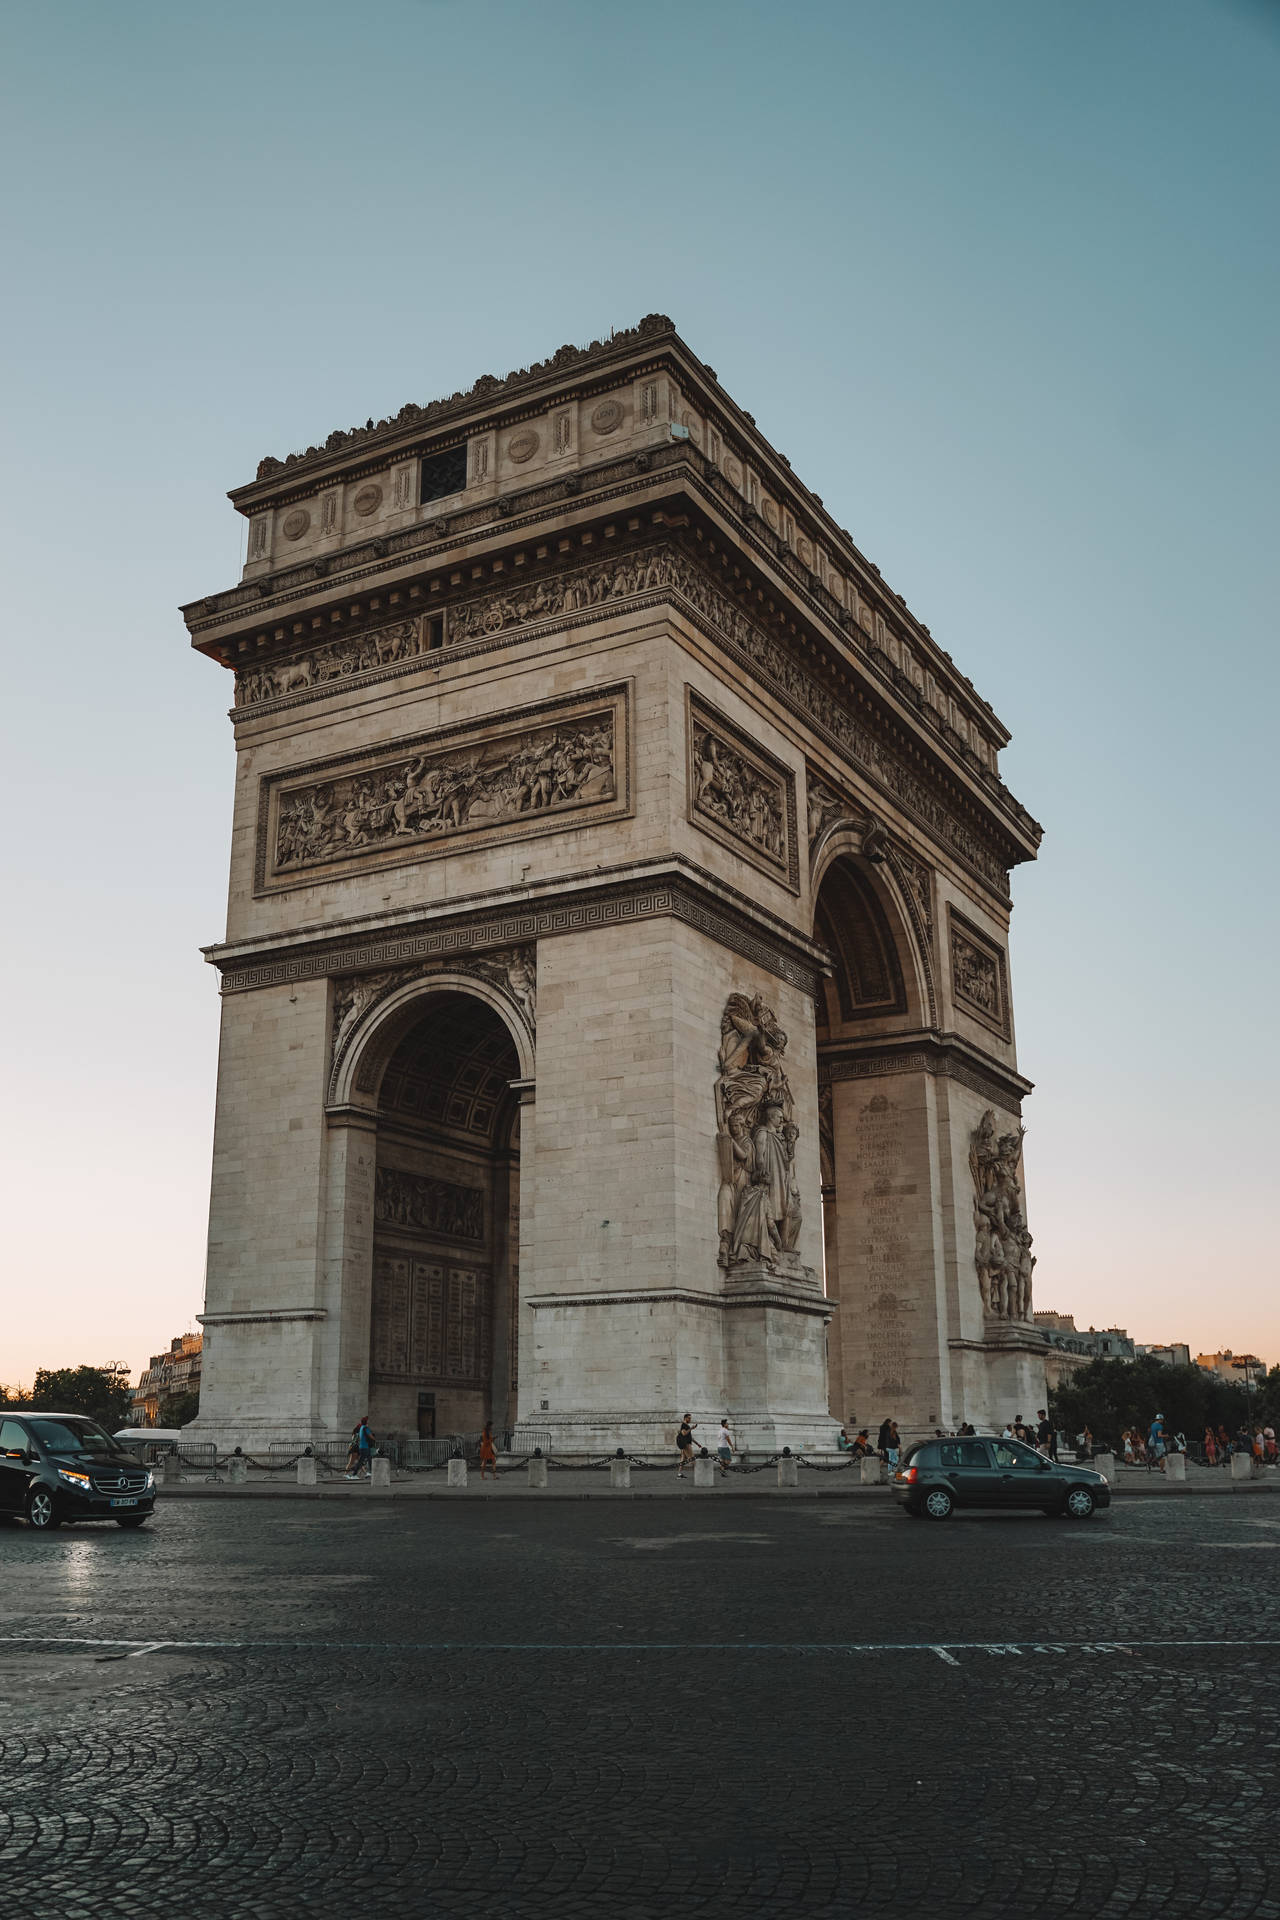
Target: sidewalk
x=569, y=1483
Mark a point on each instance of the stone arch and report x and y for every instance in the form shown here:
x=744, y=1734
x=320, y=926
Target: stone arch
x=364, y=1054
x=434, y=1081
x=886, y=917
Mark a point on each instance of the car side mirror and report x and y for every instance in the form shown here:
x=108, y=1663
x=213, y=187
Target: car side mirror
x=16, y=1453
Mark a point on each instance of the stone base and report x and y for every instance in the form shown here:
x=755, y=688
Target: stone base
x=999, y=1376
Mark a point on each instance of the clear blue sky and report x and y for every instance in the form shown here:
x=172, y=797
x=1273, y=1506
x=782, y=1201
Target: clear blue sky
x=1000, y=276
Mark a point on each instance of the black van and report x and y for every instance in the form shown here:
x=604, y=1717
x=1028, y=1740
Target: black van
x=57, y=1467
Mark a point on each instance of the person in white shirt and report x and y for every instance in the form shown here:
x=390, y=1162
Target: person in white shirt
x=725, y=1448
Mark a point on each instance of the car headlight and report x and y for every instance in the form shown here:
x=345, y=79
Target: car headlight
x=80, y=1480
x=149, y=1482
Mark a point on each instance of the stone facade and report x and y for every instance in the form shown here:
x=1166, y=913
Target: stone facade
x=579, y=753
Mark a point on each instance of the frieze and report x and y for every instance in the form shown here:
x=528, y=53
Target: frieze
x=938, y=1057
x=739, y=794
x=336, y=661
x=418, y=797
x=667, y=570
x=979, y=975
x=422, y=1205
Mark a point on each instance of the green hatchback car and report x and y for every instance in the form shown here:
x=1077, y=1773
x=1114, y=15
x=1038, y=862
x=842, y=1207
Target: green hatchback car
x=937, y=1476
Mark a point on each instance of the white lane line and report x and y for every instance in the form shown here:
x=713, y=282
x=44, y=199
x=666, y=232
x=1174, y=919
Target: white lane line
x=939, y=1647
x=152, y=1646
x=944, y=1655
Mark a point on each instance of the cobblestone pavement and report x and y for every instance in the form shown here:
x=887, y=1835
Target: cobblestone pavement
x=370, y=1710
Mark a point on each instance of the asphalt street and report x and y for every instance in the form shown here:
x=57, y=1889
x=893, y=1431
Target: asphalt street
x=635, y=1710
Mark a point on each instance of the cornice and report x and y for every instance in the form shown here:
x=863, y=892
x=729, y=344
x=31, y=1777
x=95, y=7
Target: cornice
x=675, y=889
x=652, y=344
x=947, y=1055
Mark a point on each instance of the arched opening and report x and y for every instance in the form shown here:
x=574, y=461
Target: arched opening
x=442, y=1349
x=869, y=1132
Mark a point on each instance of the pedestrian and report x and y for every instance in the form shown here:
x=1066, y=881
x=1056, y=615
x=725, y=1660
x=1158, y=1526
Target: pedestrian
x=1084, y=1443
x=1156, y=1443
x=1224, y=1447
x=1126, y=1441
x=895, y=1446
x=362, y=1440
x=488, y=1451
x=1210, y=1447
x=684, y=1445
x=862, y=1446
x=882, y=1439
x=1269, y=1436
x=1045, y=1438
x=725, y=1448
x=353, y=1453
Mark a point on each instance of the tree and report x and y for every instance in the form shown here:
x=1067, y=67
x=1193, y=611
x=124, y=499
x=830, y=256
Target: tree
x=100, y=1392
x=1110, y=1395
x=180, y=1410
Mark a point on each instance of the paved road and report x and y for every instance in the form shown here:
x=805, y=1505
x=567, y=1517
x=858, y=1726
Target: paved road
x=630, y=1712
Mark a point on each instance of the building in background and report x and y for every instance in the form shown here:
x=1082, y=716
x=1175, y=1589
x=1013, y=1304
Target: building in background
x=168, y=1377
x=1177, y=1355
x=1071, y=1347
x=1243, y=1368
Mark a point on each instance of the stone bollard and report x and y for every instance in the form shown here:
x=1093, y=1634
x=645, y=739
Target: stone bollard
x=788, y=1470
x=457, y=1471
x=307, y=1473
x=704, y=1471
x=620, y=1475
x=238, y=1470
x=1175, y=1468
x=1105, y=1464
x=172, y=1470
x=537, y=1471
x=1241, y=1467
x=380, y=1472
x=872, y=1470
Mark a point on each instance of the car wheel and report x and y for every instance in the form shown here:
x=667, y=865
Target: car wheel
x=132, y=1519
x=938, y=1504
x=1079, y=1504
x=42, y=1510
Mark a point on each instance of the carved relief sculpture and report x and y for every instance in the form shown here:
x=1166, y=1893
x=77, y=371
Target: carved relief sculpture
x=1002, y=1255
x=411, y=1201
x=337, y=660
x=498, y=776
x=738, y=794
x=513, y=970
x=759, y=1211
x=978, y=975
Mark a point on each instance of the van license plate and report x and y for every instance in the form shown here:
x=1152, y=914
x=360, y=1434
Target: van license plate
x=131, y=1501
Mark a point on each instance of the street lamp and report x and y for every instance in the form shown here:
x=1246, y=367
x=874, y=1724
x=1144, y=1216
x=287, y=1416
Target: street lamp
x=1246, y=1363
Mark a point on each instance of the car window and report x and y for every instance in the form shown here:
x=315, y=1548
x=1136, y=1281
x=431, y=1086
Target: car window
x=964, y=1453
x=1010, y=1454
x=13, y=1438
x=73, y=1436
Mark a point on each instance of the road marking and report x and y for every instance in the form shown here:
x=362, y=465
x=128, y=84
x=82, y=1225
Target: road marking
x=944, y=1649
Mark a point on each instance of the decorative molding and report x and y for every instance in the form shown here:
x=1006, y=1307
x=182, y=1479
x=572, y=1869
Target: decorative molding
x=622, y=903
x=487, y=387
x=979, y=974
x=944, y=1055
x=266, y=1315
x=739, y=794
x=529, y=772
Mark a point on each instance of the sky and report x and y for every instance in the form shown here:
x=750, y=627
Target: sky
x=999, y=276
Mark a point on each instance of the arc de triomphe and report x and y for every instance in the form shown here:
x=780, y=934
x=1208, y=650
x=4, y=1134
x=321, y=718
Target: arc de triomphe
x=616, y=1014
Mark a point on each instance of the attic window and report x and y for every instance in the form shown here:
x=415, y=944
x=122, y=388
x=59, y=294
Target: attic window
x=444, y=473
